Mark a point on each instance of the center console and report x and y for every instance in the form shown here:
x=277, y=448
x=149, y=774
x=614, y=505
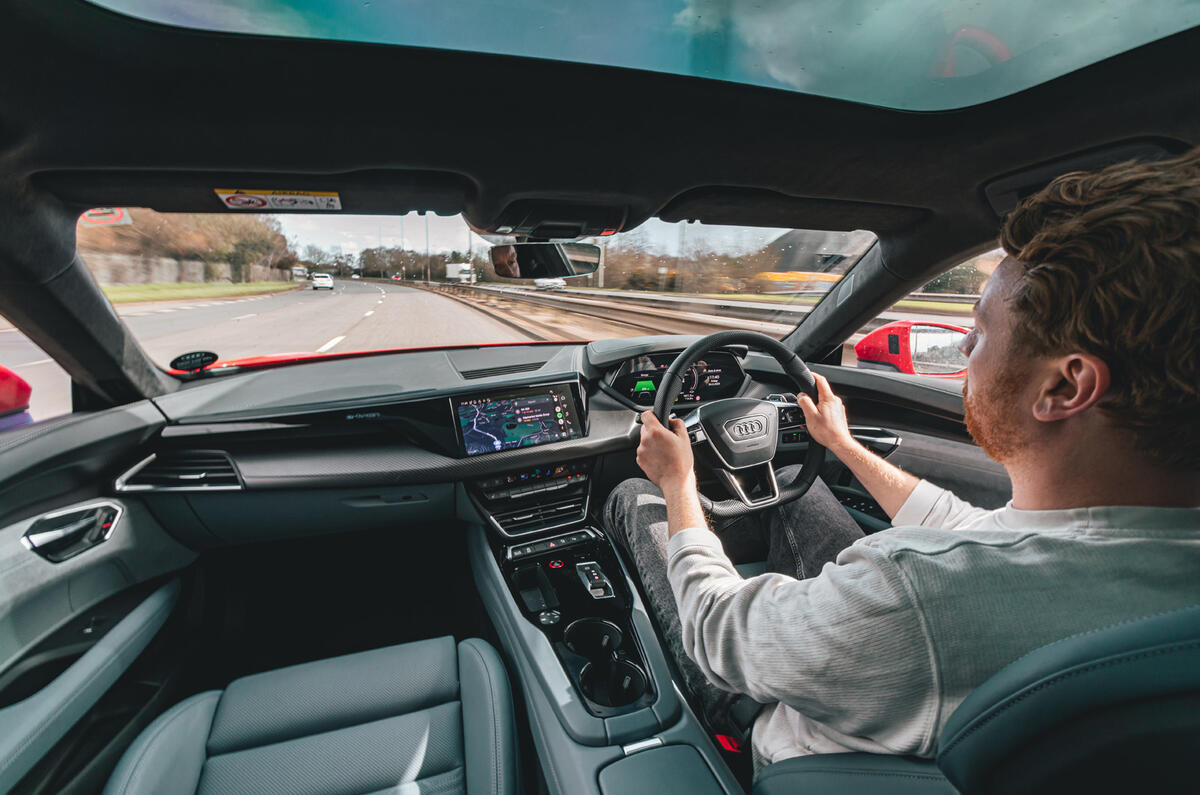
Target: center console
x=564, y=577
x=603, y=707
x=571, y=586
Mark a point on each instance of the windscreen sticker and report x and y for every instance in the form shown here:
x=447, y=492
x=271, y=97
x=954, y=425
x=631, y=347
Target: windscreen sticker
x=279, y=199
x=106, y=216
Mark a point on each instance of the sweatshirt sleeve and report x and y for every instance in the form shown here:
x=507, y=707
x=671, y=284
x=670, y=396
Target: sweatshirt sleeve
x=936, y=508
x=846, y=648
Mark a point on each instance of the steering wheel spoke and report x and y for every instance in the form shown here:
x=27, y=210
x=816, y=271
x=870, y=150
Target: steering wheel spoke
x=756, y=487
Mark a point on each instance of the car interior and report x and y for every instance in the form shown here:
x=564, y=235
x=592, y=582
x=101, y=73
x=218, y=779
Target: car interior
x=326, y=576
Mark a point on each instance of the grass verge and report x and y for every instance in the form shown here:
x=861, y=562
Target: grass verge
x=170, y=291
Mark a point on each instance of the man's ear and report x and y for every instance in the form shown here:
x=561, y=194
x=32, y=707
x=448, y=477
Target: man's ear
x=1076, y=383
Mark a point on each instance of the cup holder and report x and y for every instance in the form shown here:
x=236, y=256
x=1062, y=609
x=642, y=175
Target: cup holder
x=607, y=679
x=593, y=638
x=612, y=683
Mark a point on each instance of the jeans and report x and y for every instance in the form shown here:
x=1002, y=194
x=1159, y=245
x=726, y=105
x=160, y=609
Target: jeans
x=796, y=539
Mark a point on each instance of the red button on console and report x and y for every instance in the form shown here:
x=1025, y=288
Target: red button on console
x=556, y=564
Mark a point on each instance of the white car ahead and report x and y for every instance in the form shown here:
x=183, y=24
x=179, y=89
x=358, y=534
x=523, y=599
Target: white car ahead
x=322, y=280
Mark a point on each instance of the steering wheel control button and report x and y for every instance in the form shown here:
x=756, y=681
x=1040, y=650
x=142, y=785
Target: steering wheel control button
x=549, y=617
x=594, y=579
x=556, y=564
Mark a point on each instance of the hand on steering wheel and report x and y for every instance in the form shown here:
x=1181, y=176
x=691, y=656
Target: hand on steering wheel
x=739, y=435
x=665, y=454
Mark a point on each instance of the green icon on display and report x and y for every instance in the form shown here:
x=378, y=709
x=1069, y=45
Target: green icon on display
x=644, y=386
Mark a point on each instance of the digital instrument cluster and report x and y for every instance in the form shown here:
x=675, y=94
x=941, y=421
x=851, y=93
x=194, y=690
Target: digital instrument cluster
x=718, y=375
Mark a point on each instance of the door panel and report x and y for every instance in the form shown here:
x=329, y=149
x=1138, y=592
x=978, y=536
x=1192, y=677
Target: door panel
x=85, y=582
x=37, y=596
x=35, y=724
x=962, y=468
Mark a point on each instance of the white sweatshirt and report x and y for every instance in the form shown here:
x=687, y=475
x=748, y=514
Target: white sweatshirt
x=875, y=652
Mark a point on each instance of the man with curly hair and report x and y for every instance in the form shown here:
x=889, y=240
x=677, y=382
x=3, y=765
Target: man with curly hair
x=1083, y=380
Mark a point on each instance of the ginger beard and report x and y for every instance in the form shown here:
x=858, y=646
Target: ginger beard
x=993, y=415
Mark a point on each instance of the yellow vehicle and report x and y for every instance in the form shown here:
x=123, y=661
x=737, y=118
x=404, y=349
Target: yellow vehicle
x=793, y=281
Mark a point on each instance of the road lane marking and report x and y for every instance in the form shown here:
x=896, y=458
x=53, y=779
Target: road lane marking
x=369, y=313
x=35, y=364
x=380, y=301
x=331, y=343
x=243, y=317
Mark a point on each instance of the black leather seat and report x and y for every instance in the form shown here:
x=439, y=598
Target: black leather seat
x=1116, y=709
x=424, y=717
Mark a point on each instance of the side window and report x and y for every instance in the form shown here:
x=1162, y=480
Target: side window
x=32, y=385
x=919, y=334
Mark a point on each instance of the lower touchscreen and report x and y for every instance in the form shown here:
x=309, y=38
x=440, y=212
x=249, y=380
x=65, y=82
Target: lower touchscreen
x=525, y=418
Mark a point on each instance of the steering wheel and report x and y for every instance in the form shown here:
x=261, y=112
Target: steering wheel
x=739, y=435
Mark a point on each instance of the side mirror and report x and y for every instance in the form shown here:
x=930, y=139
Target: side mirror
x=14, y=400
x=914, y=347
x=544, y=260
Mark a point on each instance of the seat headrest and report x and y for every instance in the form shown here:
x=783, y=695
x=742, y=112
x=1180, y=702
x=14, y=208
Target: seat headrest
x=1104, y=710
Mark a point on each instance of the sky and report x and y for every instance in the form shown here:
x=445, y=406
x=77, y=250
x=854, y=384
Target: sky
x=352, y=233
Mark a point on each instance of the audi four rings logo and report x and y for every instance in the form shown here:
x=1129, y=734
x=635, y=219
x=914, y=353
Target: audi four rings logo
x=747, y=428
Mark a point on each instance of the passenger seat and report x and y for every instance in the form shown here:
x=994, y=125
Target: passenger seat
x=427, y=717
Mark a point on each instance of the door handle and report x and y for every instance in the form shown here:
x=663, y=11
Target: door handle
x=881, y=440
x=59, y=536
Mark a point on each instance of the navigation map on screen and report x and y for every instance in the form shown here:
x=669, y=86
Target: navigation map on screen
x=519, y=419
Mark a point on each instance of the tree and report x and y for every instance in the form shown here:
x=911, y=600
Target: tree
x=315, y=255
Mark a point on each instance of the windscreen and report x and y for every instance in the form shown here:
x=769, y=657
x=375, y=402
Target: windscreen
x=255, y=285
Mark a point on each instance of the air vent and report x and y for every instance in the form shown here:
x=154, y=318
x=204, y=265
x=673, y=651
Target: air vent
x=541, y=515
x=507, y=369
x=182, y=470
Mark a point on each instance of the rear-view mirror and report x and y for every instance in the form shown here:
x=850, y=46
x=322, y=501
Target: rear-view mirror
x=544, y=260
x=915, y=347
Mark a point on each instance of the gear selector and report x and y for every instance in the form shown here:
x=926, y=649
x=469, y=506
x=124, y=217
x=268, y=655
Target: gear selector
x=594, y=580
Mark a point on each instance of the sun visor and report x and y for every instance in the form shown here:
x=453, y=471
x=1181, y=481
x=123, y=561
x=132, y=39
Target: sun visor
x=757, y=207
x=359, y=192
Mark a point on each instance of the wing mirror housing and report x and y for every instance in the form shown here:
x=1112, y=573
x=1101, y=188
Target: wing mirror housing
x=923, y=347
x=14, y=400
x=544, y=260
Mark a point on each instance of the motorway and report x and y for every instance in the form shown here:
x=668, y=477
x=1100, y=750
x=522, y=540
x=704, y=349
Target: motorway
x=365, y=315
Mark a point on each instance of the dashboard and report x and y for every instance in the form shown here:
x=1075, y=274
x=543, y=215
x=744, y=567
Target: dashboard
x=718, y=375
x=409, y=417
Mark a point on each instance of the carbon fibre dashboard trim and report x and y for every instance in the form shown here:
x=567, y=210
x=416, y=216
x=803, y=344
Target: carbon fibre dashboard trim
x=611, y=425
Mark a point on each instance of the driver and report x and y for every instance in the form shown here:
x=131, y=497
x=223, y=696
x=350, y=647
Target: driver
x=1083, y=381
x=504, y=262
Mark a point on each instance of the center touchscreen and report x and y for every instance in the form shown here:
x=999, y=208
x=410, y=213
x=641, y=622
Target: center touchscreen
x=523, y=418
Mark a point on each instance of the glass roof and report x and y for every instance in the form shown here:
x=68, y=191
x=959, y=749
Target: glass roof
x=922, y=55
